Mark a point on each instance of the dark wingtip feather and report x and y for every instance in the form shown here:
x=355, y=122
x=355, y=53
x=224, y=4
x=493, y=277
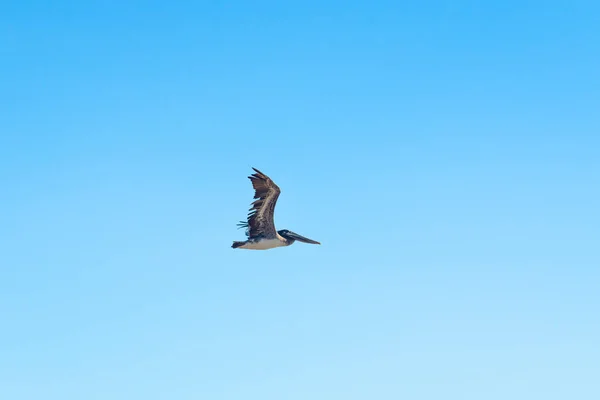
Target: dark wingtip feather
x=258, y=175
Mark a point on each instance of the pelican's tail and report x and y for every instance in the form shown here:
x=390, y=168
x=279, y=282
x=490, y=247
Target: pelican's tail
x=235, y=244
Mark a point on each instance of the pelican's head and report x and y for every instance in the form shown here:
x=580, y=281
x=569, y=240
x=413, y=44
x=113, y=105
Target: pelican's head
x=291, y=237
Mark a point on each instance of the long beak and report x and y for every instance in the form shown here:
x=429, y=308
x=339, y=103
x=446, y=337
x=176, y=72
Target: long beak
x=301, y=238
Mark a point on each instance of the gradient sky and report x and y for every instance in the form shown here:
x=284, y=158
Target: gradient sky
x=445, y=153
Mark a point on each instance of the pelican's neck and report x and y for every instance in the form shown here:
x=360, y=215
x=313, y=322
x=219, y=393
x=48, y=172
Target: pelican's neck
x=284, y=240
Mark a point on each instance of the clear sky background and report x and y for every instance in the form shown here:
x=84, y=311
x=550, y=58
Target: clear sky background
x=445, y=153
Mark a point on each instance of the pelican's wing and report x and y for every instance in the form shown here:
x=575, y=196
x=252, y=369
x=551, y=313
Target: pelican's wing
x=260, y=218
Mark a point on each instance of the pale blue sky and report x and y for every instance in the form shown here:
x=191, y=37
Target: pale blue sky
x=446, y=154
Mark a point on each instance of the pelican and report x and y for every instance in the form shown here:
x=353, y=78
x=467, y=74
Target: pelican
x=260, y=227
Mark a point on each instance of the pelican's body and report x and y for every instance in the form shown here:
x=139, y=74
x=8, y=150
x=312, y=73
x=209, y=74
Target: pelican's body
x=263, y=244
x=260, y=227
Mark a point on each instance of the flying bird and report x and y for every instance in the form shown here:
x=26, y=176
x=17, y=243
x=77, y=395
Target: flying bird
x=260, y=227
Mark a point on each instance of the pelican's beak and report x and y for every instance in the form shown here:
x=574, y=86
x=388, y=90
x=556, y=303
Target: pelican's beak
x=301, y=238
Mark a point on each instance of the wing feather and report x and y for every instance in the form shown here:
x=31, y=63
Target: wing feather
x=261, y=215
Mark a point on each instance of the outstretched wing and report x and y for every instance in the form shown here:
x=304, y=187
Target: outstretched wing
x=260, y=218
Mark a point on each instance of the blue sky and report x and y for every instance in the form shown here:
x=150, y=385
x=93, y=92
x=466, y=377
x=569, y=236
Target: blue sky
x=446, y=154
